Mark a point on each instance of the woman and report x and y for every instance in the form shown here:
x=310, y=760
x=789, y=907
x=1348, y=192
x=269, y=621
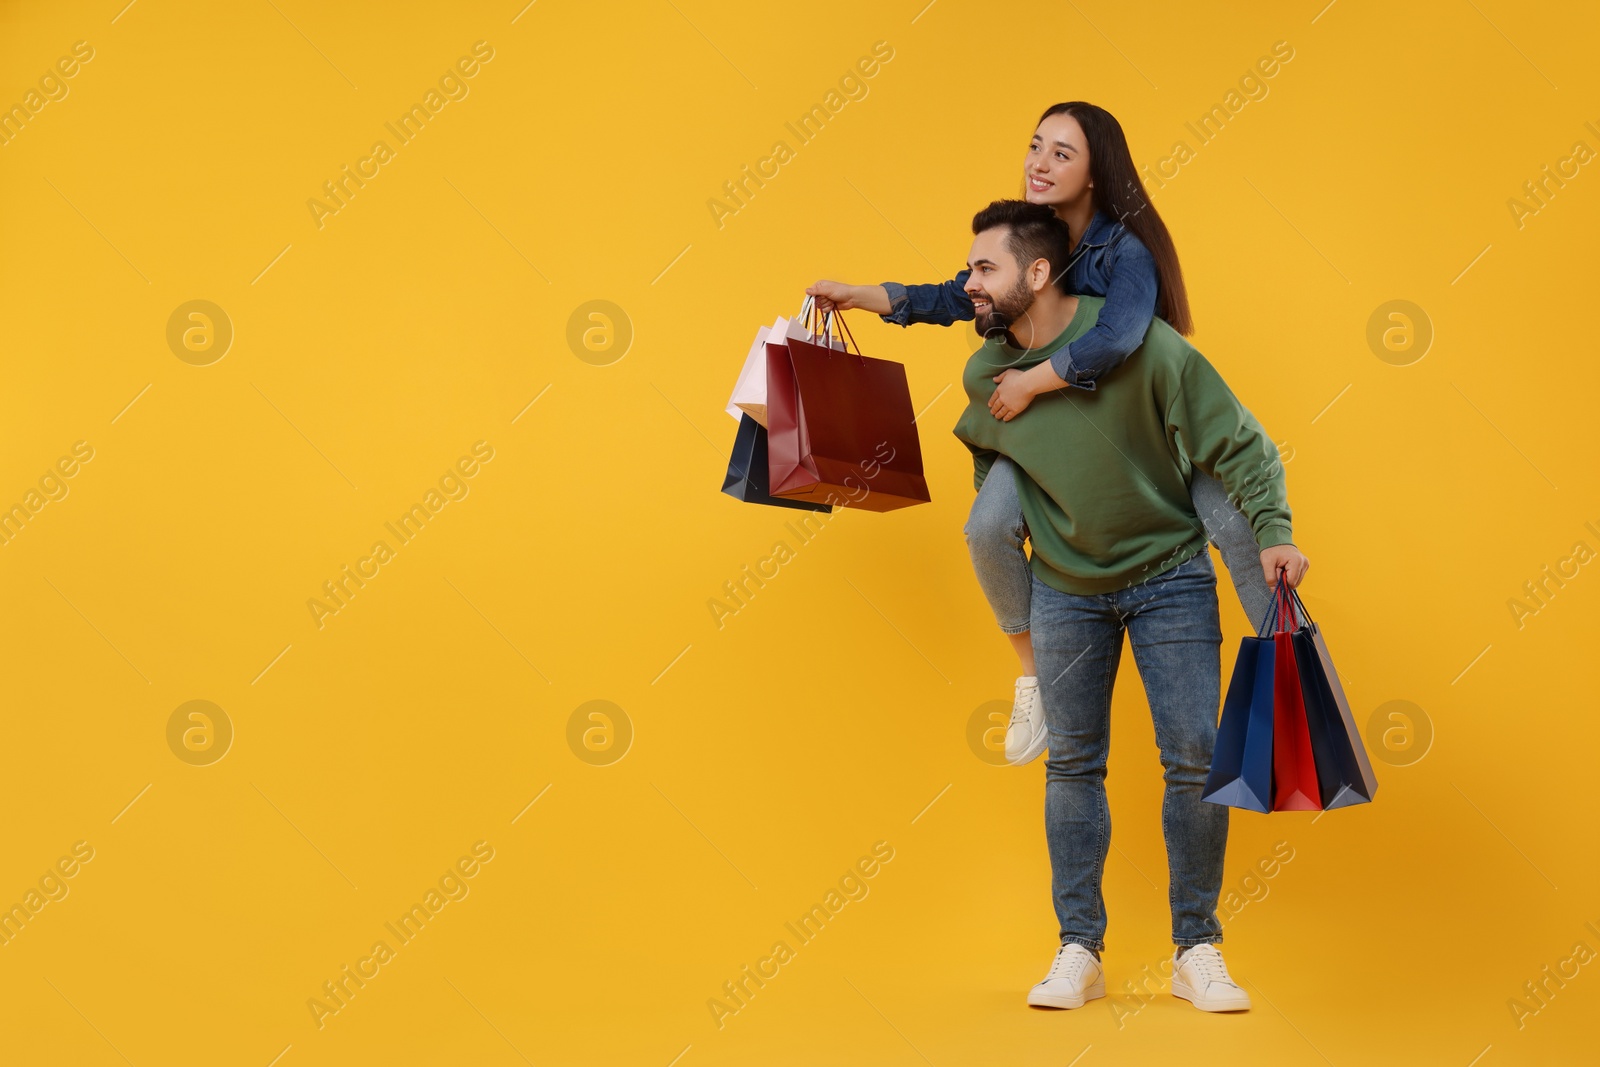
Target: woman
x=1078, y=163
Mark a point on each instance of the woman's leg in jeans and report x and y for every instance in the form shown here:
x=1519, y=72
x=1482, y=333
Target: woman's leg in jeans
x=995, y=536
x=1230, y=531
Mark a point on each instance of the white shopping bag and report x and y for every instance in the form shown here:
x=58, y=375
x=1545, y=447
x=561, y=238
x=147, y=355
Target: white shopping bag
x=750, y=391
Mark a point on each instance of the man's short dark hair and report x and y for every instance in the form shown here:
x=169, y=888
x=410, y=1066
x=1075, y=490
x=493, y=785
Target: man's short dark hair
x=1035, y=233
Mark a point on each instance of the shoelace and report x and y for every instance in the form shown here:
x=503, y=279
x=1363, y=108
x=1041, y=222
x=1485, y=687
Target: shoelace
x=1208, y=961
x=1018, y=715
x=1069, y=965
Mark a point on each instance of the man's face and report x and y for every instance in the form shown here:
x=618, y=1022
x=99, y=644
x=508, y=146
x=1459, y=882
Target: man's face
x=1000, y=291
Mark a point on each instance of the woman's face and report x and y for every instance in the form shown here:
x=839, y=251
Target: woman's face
x=1057, y=168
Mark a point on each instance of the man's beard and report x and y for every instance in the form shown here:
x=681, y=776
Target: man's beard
x=1004, y=310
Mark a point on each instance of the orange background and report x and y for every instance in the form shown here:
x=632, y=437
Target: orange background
x=641, y=859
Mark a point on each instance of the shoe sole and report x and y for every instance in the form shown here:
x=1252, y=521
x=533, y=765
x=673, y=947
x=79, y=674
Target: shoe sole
x=1057, y=1000
x=1183, y=992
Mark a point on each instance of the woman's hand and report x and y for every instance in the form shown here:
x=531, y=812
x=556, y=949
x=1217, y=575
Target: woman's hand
x=837, y=296
x=1012, y=396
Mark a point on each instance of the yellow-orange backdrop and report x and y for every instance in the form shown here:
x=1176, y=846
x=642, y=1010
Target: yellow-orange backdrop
x=188, y=485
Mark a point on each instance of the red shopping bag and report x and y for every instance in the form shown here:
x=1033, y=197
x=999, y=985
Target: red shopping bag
x=840, y=427
x=1294, y=766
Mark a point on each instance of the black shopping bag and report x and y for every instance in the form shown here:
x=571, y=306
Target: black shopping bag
x=1343, y=770
x=747, y=470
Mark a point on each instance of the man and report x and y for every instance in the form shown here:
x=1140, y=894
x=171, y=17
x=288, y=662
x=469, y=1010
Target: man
x=1117, y=546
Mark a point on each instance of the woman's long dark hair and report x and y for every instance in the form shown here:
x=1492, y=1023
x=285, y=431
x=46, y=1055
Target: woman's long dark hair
x=1119, y=193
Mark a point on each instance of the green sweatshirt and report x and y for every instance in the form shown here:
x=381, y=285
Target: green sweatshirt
x=1104, y=474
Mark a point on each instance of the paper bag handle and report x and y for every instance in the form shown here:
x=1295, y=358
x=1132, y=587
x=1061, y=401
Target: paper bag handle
x=1286, y=611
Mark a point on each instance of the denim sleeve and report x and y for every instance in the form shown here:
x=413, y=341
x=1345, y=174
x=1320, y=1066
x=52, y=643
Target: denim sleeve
x=1129, y=307
x=939, y=304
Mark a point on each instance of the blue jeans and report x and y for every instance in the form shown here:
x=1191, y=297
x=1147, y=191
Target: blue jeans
x=1171, y=621
x=995, y=536
x=996, y=533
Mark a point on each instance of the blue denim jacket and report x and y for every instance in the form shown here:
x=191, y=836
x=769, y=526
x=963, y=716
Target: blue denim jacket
x=1109, y=261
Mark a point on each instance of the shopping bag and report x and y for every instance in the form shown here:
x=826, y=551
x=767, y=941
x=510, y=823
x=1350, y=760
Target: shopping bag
x=840, y=426
x=1286, y=721
x=747, y=470
x=1294, y=770
x=749, y=397
x=1343, y=770
x=750, y=390
x=1241, y=761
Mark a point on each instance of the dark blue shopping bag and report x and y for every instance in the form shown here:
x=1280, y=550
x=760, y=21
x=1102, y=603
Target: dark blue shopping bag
x=1241, y=762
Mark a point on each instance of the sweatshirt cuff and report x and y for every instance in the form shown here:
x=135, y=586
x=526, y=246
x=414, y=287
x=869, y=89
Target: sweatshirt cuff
x=899, y=306
x=1273, y=536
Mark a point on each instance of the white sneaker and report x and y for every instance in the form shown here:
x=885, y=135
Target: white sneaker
x=1075, y=977
x=1202, y=979
x=1026, y=736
